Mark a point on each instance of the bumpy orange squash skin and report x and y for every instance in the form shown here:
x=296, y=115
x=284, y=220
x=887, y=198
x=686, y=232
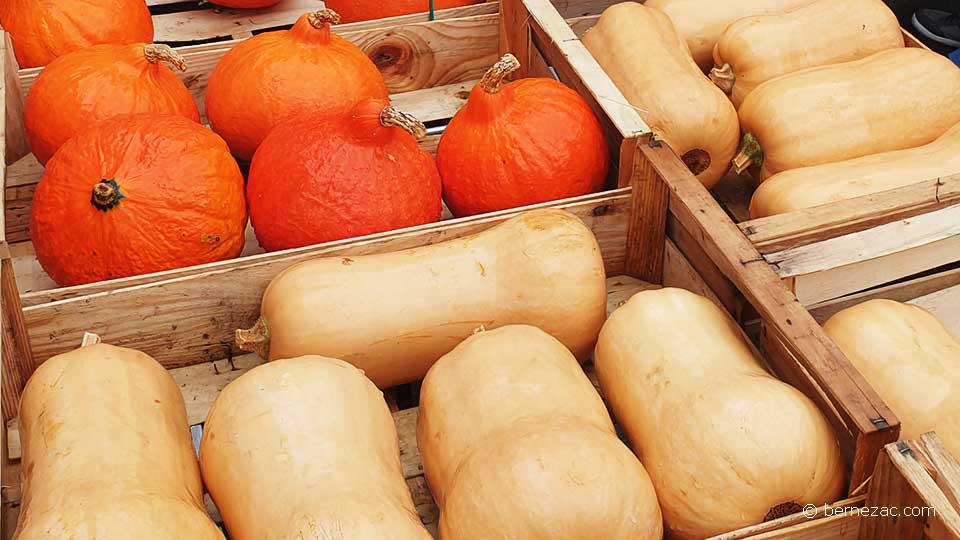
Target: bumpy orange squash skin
x=137, y=194
x=525, y=142
x=277, y=75
x=42, y=30
x=88, y=86
x=317, y=180
x=364, y=10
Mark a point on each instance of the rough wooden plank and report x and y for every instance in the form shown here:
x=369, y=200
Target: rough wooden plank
x=648, y=220
x=946, y=467
x=13, y=138
x=945, y=305
x=202, y=24
x=725, y=293
x=17, y=353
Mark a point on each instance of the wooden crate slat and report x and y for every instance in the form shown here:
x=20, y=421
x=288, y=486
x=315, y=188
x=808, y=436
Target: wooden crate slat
x=201, y=24
x=14, y=139
x=945, y=305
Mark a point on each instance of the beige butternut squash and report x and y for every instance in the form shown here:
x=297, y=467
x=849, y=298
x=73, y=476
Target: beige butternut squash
x=756, y=49
x=393, y=315
x=844, y=111
x=910, y=359
x=726, y=444
x=307, y=449
x=645, y=58
x=701, y=23
x=516, y=444
x=807, y=187
x=107, y=453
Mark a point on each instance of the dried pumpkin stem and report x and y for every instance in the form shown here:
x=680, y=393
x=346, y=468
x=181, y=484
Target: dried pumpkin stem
x=164, y=53
x=724, y=78
x=493, y=78
x=106, y=194
x=256, y=339
x=750, y=153
x=391, y=116
x=782, y=510
x=321, y=18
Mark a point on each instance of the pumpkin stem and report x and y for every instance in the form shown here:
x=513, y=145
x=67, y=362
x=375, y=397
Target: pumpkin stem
x=89, y=339
x=391, y=116
x=724, y=78
x=494, y=76
x=324, y=17
x=164, y=53
x=782, y=510
x=256, y=339
x=750, y=153
x=106, y=194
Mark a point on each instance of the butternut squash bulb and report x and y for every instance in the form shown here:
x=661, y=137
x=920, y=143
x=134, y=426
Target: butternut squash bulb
x=542, y=267
x=539, y=446
x=306, y=449
x=912, y=361
x=807, y=187
x=843, y=111
x=107, y=453
x=757, y=49
x=726, y=444
x=646, y=59
x=700, y=23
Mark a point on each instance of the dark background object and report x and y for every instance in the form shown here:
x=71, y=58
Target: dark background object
x=905, y=8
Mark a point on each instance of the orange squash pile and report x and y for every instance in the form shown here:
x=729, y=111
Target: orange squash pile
x=137, y=194
x=364, y=10
x=96, y=83
x=276, y=75
x=520, y=143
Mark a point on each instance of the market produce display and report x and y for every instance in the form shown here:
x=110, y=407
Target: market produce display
x=756, y=49
x=364, y=10
x=107, y=453
x=539, y=458
x=93, y=84
x=394, y=314
x=137, y=194
x=276, y=75
x=643, y=55
x=42, y=30
x=726, y=444
x=519, y=143
x=807, y=187
x=306, y=449
x=843, y=111
x=701, y=23
x=910, y=359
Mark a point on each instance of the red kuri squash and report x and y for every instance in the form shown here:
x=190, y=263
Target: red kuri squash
x=364, y=10
x=137, y=194
x=99, y=82
x=318, y=179
x=524, y=142
x=276, y=75
x=42, y=30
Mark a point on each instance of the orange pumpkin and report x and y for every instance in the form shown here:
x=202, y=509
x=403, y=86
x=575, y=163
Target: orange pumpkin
x=137, y=194
x=317, y=179
x=42, y=30
x=525, y=142
x=276, y=75
x=90, y=85
x=364, y=10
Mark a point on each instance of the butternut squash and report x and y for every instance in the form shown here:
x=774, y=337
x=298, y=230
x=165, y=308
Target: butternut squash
x=306, y=449
x=646, y=59
x=844, y=111
x=516, y=443
x=700, y=23
x=910, y=359
x=726, y=444
x=821, y=184
x=107, y=453
x=757, y=49
x=393, y=315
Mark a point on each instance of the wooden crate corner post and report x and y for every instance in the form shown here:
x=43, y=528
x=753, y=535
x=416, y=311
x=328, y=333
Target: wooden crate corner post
x=14, y=139
x=16, y=353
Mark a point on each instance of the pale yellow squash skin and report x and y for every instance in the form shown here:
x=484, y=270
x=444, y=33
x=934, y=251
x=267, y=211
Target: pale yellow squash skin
x=701, y=23
x=844, y=111
x=724, y=442
x=761, y=48
x=306, y=449
x=641, y=52
x=910, y=359
x=808, y=187
x=394, y=314
x=107, y=453
x=517, y=444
